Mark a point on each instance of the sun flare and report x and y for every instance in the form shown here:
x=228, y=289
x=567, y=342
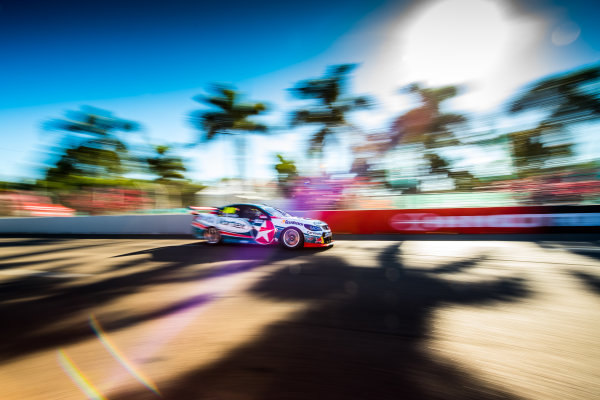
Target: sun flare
x=456, y=41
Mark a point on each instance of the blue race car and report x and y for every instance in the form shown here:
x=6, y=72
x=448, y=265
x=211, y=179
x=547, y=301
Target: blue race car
x=259, y=224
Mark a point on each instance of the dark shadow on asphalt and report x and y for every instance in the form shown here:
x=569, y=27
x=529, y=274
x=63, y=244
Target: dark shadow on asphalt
x=592, y=282
x=202, y=252
x=21, y=264
x=51, y=249
x=585, y=247
x=363, y=336
x=29, y=241
x=30, y=305
x=591, y=253
x=117, y=321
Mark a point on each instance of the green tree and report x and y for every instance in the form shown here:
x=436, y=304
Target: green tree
x=562, y=101
x=85, y=161
x=529, y=152
x=232, y=118
x=166, y=167
x=429, y=126
x=331, y=107
x=286, y=174
x=92, y=147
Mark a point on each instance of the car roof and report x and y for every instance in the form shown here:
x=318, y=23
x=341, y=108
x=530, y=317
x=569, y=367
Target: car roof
x=247, y=204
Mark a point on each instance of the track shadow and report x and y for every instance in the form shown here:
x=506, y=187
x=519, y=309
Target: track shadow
x=42, y=313
x=586, y=248
x=50, y=250
x=591, y=253
x=363, y=336
x=201, y=252
x=591, y=282
x=21, y=242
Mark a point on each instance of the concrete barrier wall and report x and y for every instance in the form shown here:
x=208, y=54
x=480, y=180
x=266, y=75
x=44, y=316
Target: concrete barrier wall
x=166, y=224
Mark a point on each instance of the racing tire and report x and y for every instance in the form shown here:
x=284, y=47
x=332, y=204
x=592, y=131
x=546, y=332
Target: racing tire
x=212, y=236
x=291, y=239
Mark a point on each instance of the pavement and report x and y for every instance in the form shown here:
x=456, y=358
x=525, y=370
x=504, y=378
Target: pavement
x=370, y=318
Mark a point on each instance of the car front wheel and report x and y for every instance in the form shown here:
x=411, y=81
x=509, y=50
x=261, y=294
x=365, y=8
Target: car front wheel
x=292, y=238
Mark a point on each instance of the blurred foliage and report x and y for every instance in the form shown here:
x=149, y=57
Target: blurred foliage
x=563, y=101
x=232, y=118
x=85, y=161
x=427, y=124
x=96, y=157
x=566, y=99
x=89, y=175
x=167, y=167
x=530, y=153
x=93, y=149
x=432, y=128
x=91, y=122
x=464, y=180
x=332, y=104
x=286, y=169
x=286, y=174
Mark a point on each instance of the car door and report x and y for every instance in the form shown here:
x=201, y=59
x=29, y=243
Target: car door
x=232, y=224
x=264, y=230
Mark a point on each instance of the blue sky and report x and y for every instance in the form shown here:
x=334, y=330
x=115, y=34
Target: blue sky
x=145, y=60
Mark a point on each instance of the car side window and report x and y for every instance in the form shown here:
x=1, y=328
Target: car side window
x=230, y=211
x=250, y=213
x=255, y=213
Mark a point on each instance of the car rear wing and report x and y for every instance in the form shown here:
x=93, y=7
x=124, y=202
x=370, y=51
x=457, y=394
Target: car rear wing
x=203, y=210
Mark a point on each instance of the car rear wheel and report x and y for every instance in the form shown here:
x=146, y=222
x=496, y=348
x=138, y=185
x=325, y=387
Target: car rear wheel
x=212, y=235
x=292, y=238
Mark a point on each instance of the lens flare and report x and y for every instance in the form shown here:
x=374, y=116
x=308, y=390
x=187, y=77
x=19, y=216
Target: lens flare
x=78, y=377
x=120, y=357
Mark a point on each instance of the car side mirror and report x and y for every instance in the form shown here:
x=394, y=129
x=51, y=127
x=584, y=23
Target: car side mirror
x=262, y=216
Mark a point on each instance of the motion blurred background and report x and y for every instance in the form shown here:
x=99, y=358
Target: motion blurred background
x=149, y=107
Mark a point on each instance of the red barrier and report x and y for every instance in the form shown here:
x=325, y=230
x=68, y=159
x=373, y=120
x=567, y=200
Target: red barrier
x=540, y=219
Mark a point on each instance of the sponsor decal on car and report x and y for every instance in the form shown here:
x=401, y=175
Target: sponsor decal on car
x=290, y=222
x=265, y=233
x=233, y=224
x=311, y=233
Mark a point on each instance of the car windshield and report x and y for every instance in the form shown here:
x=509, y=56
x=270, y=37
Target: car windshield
x=275, y=211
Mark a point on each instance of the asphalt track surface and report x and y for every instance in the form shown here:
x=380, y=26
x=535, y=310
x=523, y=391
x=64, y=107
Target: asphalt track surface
x=417, y=318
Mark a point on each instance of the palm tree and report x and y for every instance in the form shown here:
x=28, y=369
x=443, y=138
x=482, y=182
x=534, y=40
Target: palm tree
x=432, y=128
x=286, y=174
x=166, y=167
x=232, y=118
x=93, y=147
x=332, y=104
x=565, y=100
x=427, y=124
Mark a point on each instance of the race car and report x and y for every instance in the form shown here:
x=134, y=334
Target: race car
x=259, y=224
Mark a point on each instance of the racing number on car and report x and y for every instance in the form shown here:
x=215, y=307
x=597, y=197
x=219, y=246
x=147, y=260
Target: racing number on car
x=265, y=233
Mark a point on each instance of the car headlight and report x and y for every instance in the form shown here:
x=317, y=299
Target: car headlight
x=313, y=228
